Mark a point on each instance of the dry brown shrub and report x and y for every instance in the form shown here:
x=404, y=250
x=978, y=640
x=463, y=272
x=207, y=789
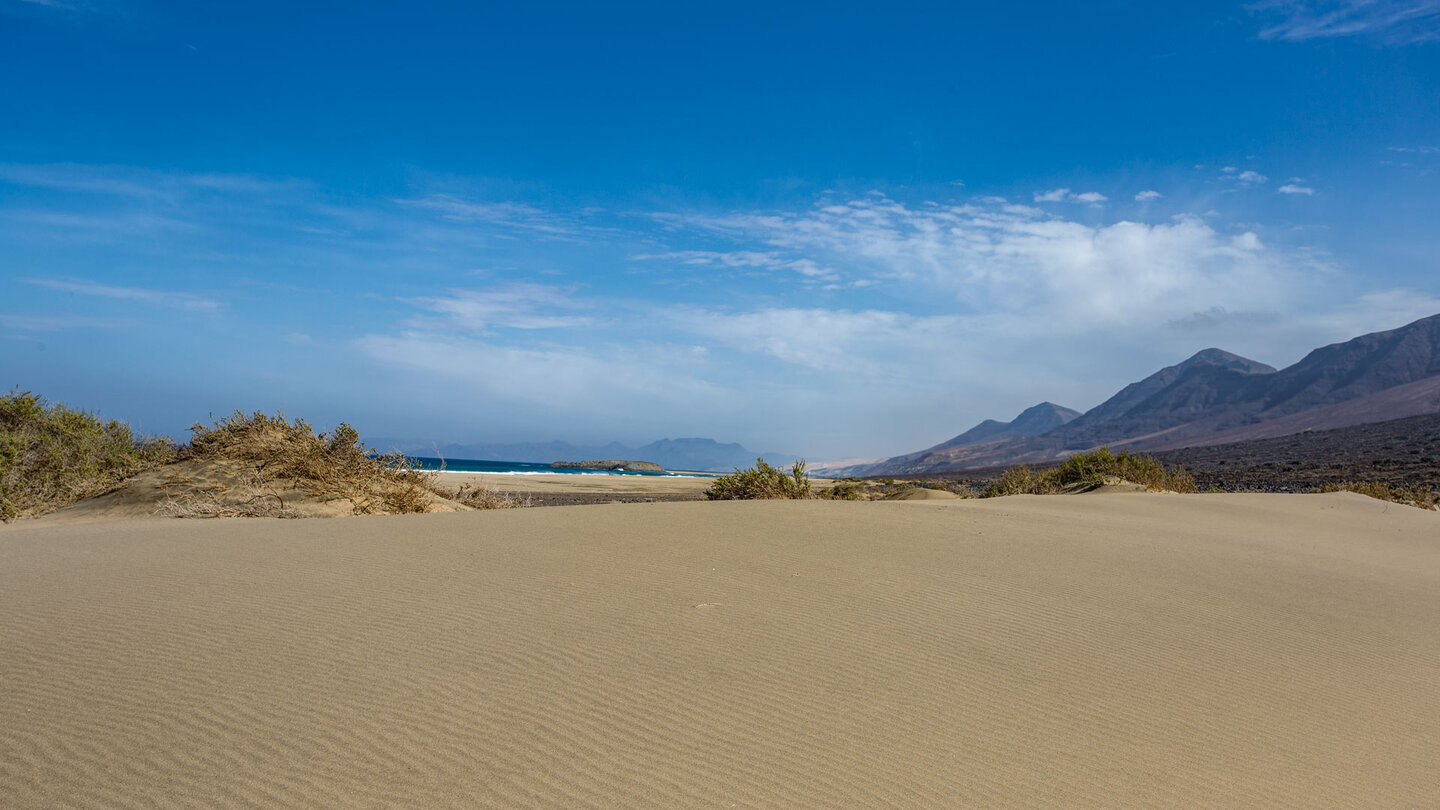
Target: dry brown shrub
x=482, y=497
x=287, y=454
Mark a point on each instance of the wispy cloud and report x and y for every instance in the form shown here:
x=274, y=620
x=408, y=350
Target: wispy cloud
x=57, y=323
x=504, y=214
x=539, y=387
x=743, y=259
x=1400, y=21
x=858, y=343
x=73, y=6
x=1294, y=188
x=130, y=181
x=163, y=298
x=509, y=306
x=1148, y=195
x=1065, y=195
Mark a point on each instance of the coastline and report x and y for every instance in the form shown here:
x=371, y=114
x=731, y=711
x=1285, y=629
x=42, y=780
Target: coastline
x=571, y=489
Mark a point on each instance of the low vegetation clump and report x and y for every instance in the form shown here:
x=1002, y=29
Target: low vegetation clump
x=848, y=489
x=289, y=455
x=483, y=497
x=1084, y=471
x=1422, y=497
x=762, y=482
x=52, y=456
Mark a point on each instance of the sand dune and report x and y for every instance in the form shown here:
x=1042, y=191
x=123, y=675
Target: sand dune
x=1128, y=650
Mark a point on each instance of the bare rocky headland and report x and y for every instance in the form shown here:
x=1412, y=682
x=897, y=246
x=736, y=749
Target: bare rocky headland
x=610, y=464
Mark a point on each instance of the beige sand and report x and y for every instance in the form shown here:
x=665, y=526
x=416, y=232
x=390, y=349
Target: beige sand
x=1127, y=650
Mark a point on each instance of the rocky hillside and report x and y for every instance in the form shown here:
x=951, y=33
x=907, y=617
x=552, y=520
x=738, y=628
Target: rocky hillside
x=1217, y=397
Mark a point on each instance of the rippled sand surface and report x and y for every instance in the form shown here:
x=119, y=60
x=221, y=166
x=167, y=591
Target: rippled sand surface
x=1118, y=651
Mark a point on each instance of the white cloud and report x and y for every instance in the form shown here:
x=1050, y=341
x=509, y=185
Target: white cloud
x=509, y=306
x=1251, y=177
x=1247, y=241
x=1291, y=188
x=1065, y=195
x=539, y=389
x=1017, y=304
x=856, y=343
x=1148, y=195
x=164, y=298
x=1018, y=259
x=1400, y=21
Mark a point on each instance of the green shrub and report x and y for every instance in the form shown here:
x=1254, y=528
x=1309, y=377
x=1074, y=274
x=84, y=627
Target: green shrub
x=761, y=482
x=848, y=490
x=1015, y=481
x=1090, y=470
x=52, y=456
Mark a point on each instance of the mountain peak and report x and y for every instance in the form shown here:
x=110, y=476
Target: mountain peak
x=1032, y=421
x=1224, y=359
x=1041, y=418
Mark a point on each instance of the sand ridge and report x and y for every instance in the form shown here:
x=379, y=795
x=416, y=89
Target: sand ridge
x=1128, y=650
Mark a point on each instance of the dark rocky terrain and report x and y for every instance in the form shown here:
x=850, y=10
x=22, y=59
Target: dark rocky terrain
x=1400, y=452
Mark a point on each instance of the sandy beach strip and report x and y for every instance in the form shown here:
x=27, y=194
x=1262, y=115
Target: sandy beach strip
x=1123, y=650
x=562, y=488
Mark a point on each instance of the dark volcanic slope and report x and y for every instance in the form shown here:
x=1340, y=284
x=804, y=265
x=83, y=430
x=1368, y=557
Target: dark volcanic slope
x=1400, y=452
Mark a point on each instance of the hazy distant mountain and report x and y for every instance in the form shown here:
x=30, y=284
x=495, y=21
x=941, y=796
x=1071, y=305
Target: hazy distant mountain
x=672, y=454
x=1216, y=397
x=1032, y=421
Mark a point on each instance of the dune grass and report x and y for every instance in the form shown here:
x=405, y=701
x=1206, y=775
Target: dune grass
x=291, y=455
x=1084, y=471
x=762, y=482
x=52, y=455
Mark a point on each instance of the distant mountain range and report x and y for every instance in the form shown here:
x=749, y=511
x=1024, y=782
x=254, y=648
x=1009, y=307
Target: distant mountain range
x=672, y=454
x=1214, y=397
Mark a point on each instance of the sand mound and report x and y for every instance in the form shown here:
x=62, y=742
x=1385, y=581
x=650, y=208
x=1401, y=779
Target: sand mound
x=221, y=488
x=1124, y=651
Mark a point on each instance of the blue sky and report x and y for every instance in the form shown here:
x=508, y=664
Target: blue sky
x=834, y=230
